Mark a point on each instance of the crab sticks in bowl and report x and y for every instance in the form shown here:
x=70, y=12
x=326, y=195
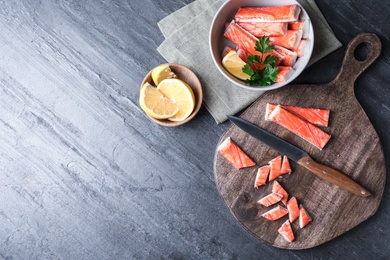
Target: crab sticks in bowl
x=280, y=29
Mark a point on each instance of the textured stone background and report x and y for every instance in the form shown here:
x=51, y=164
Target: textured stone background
x=84, y=174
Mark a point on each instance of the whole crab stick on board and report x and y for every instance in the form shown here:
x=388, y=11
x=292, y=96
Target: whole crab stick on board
x=300, y=127
x=315, y=116
x=234, y=154
x=246, y=41
x=260, y=29
x=282, y=13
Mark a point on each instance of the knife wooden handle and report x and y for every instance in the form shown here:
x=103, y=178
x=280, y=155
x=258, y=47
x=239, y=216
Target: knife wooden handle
x=333, y=176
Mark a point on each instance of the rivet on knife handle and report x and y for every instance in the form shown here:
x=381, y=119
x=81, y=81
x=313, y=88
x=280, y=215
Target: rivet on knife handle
x=333, y=176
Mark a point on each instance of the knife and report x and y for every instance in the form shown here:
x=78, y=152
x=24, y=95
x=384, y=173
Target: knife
x=301, y=157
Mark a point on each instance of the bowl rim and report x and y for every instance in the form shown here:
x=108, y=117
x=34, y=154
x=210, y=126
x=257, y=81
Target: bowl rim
x=196, y=87
x=240, y=83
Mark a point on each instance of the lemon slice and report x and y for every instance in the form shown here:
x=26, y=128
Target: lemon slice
x=162, y=72
x=234, y=64
x=155, y=104
x=181, y=94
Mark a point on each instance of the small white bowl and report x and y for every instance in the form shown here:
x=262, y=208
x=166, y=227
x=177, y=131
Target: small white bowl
x=217, y=41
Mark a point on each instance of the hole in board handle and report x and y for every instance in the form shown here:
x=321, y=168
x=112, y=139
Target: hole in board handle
x=361, y=52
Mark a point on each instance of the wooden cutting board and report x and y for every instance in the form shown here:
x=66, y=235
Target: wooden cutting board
x=354, y=149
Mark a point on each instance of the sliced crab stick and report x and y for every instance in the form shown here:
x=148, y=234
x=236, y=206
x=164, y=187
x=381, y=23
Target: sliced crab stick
x=286, y=231
x=277, y=188
x=304, y=218
x=260, y=29
x=275, y=213
x=233, y=153
x=285, y=166
x=282, y=13
x=271, y=199
x=293, y=209
x=276, y=166
x=261, y=176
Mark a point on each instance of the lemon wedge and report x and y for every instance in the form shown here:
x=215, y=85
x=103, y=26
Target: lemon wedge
x=162, y=72
x=181, y=94
x=234, y=64
x=155, y=103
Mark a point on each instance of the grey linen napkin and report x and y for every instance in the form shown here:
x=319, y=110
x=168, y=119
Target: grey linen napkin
x=187, y=43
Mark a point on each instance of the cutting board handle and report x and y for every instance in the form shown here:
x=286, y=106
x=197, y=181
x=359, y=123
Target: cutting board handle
x=352, y=67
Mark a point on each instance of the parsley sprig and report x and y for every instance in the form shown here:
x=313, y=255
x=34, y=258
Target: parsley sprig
x=267, y=70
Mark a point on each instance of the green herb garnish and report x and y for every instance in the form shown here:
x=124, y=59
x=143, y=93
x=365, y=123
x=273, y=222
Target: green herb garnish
x=266, y=74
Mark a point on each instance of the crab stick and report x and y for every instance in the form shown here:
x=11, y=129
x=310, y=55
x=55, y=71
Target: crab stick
x=303, y=25
x=282, y=13
x=289, y=57
x=243, y=54
x=285, y=166
x=304, y=218
x=302, y=48
x=300, y=127
x=270, y=199
x=284, y=73
x=286, y=231
x=290, y=40
x=277, y=188
x=315, y=116
x=261, y=176
x=233, y=153
x=260, y=29
x=276, y=166
x=275, y=213
x=240, y=37
x=293, y=209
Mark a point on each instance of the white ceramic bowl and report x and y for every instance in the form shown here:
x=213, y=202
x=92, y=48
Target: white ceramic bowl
x=217, y=41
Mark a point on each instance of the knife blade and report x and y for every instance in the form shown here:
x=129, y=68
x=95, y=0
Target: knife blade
x=301, y=157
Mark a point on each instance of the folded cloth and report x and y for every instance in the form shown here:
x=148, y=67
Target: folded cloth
x=187, y=43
